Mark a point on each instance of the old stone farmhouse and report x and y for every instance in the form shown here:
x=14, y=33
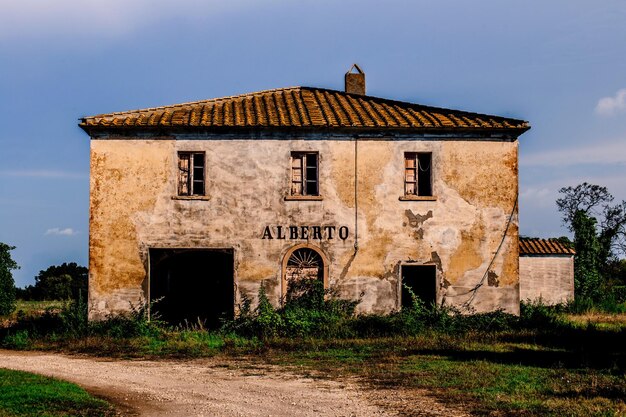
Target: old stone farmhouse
x=199, y=203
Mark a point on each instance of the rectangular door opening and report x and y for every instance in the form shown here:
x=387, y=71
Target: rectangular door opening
x=422, y=281
x=190, y=286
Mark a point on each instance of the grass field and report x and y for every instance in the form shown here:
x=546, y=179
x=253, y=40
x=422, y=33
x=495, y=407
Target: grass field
x=31, y=308
x=547, y=363
x=514, y=373
x=487, y=378
x=602, y=320
x=25, y=394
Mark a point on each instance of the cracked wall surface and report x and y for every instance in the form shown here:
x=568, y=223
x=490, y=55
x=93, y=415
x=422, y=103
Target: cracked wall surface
x=547, y=277
x=134, y=207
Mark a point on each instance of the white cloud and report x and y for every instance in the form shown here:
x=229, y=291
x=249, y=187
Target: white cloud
x=535, y=193
x=613, y=152
x=42, y=173
x=607, y=106
x=110, y=18
x=56, y=231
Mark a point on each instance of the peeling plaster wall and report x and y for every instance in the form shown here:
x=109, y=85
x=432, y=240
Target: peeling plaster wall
x=134, y=207
x=550, y=278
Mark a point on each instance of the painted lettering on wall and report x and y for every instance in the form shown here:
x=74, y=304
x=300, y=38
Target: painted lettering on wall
x=306, y=232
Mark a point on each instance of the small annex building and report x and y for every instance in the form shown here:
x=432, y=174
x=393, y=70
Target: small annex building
x=200, y=203
x=546, y=271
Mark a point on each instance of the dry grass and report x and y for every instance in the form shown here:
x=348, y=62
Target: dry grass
x=600, y=319
x=30, y=309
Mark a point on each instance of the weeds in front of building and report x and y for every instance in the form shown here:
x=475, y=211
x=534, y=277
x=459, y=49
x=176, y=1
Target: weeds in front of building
x=540, y=363
x=307, y=311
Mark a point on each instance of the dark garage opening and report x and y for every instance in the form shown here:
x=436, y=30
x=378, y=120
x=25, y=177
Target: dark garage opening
x=192, y=285
x=422, y=280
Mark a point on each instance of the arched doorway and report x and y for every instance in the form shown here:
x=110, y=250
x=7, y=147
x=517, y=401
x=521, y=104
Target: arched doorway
x=304, y=262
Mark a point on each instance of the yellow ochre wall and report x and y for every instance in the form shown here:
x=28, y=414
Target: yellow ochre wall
x=134, y=207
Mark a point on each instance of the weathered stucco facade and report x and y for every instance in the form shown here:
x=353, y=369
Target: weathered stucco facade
x=360, y=224
x=546, y=271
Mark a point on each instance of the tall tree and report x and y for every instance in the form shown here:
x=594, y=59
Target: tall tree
x=599, y=230
x=61, y=282
x=587, y=262
x=7, y=284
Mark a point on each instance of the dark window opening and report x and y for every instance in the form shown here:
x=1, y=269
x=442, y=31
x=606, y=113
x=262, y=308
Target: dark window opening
x=421, y=280
x=418, y=174
x=191, y=173
x=192, y=286
x=304, y=173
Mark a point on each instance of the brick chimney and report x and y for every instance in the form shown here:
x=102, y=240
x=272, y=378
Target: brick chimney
x=355, y=81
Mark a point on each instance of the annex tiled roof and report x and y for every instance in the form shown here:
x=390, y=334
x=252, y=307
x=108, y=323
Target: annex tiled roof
x=534, y=246
x=303, y=107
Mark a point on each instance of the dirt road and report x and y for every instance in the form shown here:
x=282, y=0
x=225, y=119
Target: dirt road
x=214, y=387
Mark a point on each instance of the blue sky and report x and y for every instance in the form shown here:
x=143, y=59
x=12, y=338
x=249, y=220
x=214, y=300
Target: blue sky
x=560, y=64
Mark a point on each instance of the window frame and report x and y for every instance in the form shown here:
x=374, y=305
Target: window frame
x=191, y=182
x=412, y=176
x=304, y=181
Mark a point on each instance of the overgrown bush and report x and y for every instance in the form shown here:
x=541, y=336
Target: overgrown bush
x=311, y=311
x=537, y=315
x=7, y=284
x=134, y=323
x=611, y=302
x=308, y=310
x=16, y=340
x=71, y=322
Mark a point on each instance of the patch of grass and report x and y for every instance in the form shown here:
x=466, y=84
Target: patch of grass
x=25, y=394
x=576, y=371
x=611, y=302
x=30, y=309
x=601, y=320
x=515, y=389
x=486, y=376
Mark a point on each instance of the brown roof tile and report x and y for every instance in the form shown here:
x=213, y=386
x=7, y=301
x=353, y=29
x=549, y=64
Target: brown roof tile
x=534, y=246
x=303, y=107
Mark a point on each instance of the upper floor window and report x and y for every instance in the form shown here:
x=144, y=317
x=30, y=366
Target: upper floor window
x=418, y=174
x=304, y=174
x=191, y=170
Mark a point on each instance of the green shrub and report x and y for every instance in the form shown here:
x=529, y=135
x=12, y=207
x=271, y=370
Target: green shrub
x=311, y=311
x=17, y=340
x=134, y=323
x=268, y=322
x=308, y=310
x=537, y=315
x=619, y=293
x=73, y=318
x=611, y=302
x=7, y=284
x=493, y=321
x=71, y=322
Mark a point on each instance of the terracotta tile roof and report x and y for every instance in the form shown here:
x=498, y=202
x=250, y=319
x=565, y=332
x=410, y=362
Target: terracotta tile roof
x=303, y=107
x=534, y=246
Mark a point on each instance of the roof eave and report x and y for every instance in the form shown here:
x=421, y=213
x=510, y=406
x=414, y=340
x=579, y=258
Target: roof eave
x=131, y=131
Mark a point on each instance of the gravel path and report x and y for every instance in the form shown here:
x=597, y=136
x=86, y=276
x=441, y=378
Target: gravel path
x=215, y=387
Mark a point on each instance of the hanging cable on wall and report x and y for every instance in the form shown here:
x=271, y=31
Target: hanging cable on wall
x=475, y=289
x=356, y=200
